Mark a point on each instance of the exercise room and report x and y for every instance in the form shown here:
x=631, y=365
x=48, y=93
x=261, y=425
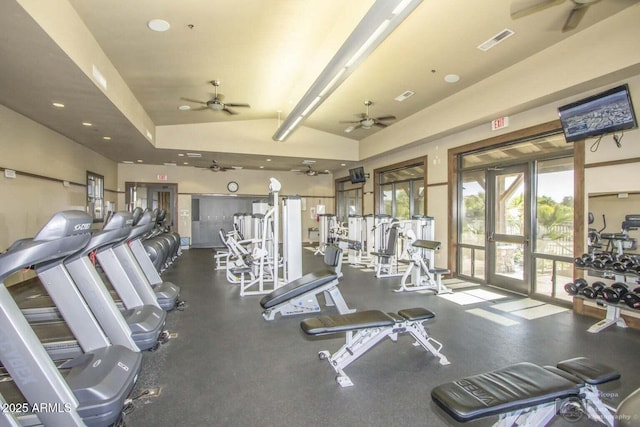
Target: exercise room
x=318, y=212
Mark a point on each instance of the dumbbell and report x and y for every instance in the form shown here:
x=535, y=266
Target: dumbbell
x=603, y=261
x=574, y=288
x=632, y=299
x=593, y=291
x=615, y=292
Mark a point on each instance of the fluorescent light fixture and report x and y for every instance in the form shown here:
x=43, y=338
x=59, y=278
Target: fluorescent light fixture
x=194, y=155
x=380, y=21
x=58, y=104
x=97, y=75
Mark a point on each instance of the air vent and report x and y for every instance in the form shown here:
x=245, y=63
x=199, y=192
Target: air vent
x=501, y=36
x=404, y=95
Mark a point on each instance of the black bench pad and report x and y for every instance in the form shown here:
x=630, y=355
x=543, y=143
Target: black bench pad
x=417, y=313
x=504, y=390
x=426, y=244
x=298, y=287
x=589, y=371
x=346, y=322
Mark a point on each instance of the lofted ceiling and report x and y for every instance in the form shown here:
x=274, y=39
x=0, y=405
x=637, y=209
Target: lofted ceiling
x=263, y=53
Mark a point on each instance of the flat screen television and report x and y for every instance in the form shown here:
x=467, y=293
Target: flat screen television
x=357, y=175
x=606, y=112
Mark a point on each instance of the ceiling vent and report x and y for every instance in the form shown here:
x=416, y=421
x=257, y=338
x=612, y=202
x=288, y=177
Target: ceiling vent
x=501, y=36
x=404, y=95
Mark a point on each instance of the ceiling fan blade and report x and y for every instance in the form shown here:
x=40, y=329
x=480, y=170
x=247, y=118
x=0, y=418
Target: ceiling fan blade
x=382, y=125
x=352, y=121
x=535, y=8
x=194, y=100
x=234, y=104
x=229, y=111
x=574, y=18
x=385, y=118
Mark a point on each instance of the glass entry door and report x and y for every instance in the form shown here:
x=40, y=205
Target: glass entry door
x=508, y=228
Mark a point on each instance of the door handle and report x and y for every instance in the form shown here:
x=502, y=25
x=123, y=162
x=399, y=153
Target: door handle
x=490, y=237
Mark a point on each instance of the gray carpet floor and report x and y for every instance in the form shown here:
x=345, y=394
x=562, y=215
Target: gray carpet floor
x=229, y=367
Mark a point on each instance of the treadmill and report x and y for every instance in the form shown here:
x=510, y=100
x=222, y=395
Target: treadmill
x=139, y=327
x=88, y=390
x=137, y=266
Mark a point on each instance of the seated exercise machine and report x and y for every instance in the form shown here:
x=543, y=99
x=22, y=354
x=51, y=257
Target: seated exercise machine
x=365, y=329
x=526, y=394
x=88, y=390
x=420, y=276
x=301, y=295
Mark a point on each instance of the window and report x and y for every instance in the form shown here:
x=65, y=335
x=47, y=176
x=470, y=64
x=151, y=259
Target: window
x=348, y=200
x=95, y=196
x=401, y=189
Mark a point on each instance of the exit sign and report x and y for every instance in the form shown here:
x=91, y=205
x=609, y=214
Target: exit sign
x=500, y=123
x=162, y=177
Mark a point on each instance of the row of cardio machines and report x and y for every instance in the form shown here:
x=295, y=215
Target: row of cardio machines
x=83, y=376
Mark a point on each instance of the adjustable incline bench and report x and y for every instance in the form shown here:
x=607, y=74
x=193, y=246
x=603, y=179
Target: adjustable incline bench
x=530, y=395
x=301, y=295
x=365, y=329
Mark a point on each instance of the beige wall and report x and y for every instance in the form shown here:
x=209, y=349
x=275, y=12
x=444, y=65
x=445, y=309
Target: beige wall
x=28, y=202
x=617, y=178
x=27, y=146
x=195, y=181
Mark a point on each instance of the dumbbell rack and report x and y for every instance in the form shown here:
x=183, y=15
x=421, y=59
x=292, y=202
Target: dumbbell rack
x=614, y=310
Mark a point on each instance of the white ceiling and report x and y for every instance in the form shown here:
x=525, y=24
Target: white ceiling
x=265, y=53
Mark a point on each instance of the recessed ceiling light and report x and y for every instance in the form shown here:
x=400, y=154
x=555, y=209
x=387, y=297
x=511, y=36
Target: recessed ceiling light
x=87, y=124
x=139, y=161
x=261, y=167
x=343, y=164
x=127, y=161
x=349, y=129
x=184, y=107
x=58, y=104
x=268, y=160
x=158, y=25
x=106, y=138
x=170, y=164
x=451, y=78
x=185, y=163
x=180, y=155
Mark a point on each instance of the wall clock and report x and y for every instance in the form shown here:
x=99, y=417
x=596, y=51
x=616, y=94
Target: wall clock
x=233, y=186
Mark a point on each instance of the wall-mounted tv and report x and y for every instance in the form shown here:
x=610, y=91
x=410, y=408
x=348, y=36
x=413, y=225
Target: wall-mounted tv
x=606, y=112
x=357, y=175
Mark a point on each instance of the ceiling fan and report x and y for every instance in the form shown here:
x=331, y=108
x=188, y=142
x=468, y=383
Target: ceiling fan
x=366, y=121
x=580, y=7
x=216, y=167
x=216, y=103
x=312, y=172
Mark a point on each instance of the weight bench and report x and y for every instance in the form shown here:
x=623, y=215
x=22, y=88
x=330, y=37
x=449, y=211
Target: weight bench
x=301, y=295
x=365, y=329
x=531, y=395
